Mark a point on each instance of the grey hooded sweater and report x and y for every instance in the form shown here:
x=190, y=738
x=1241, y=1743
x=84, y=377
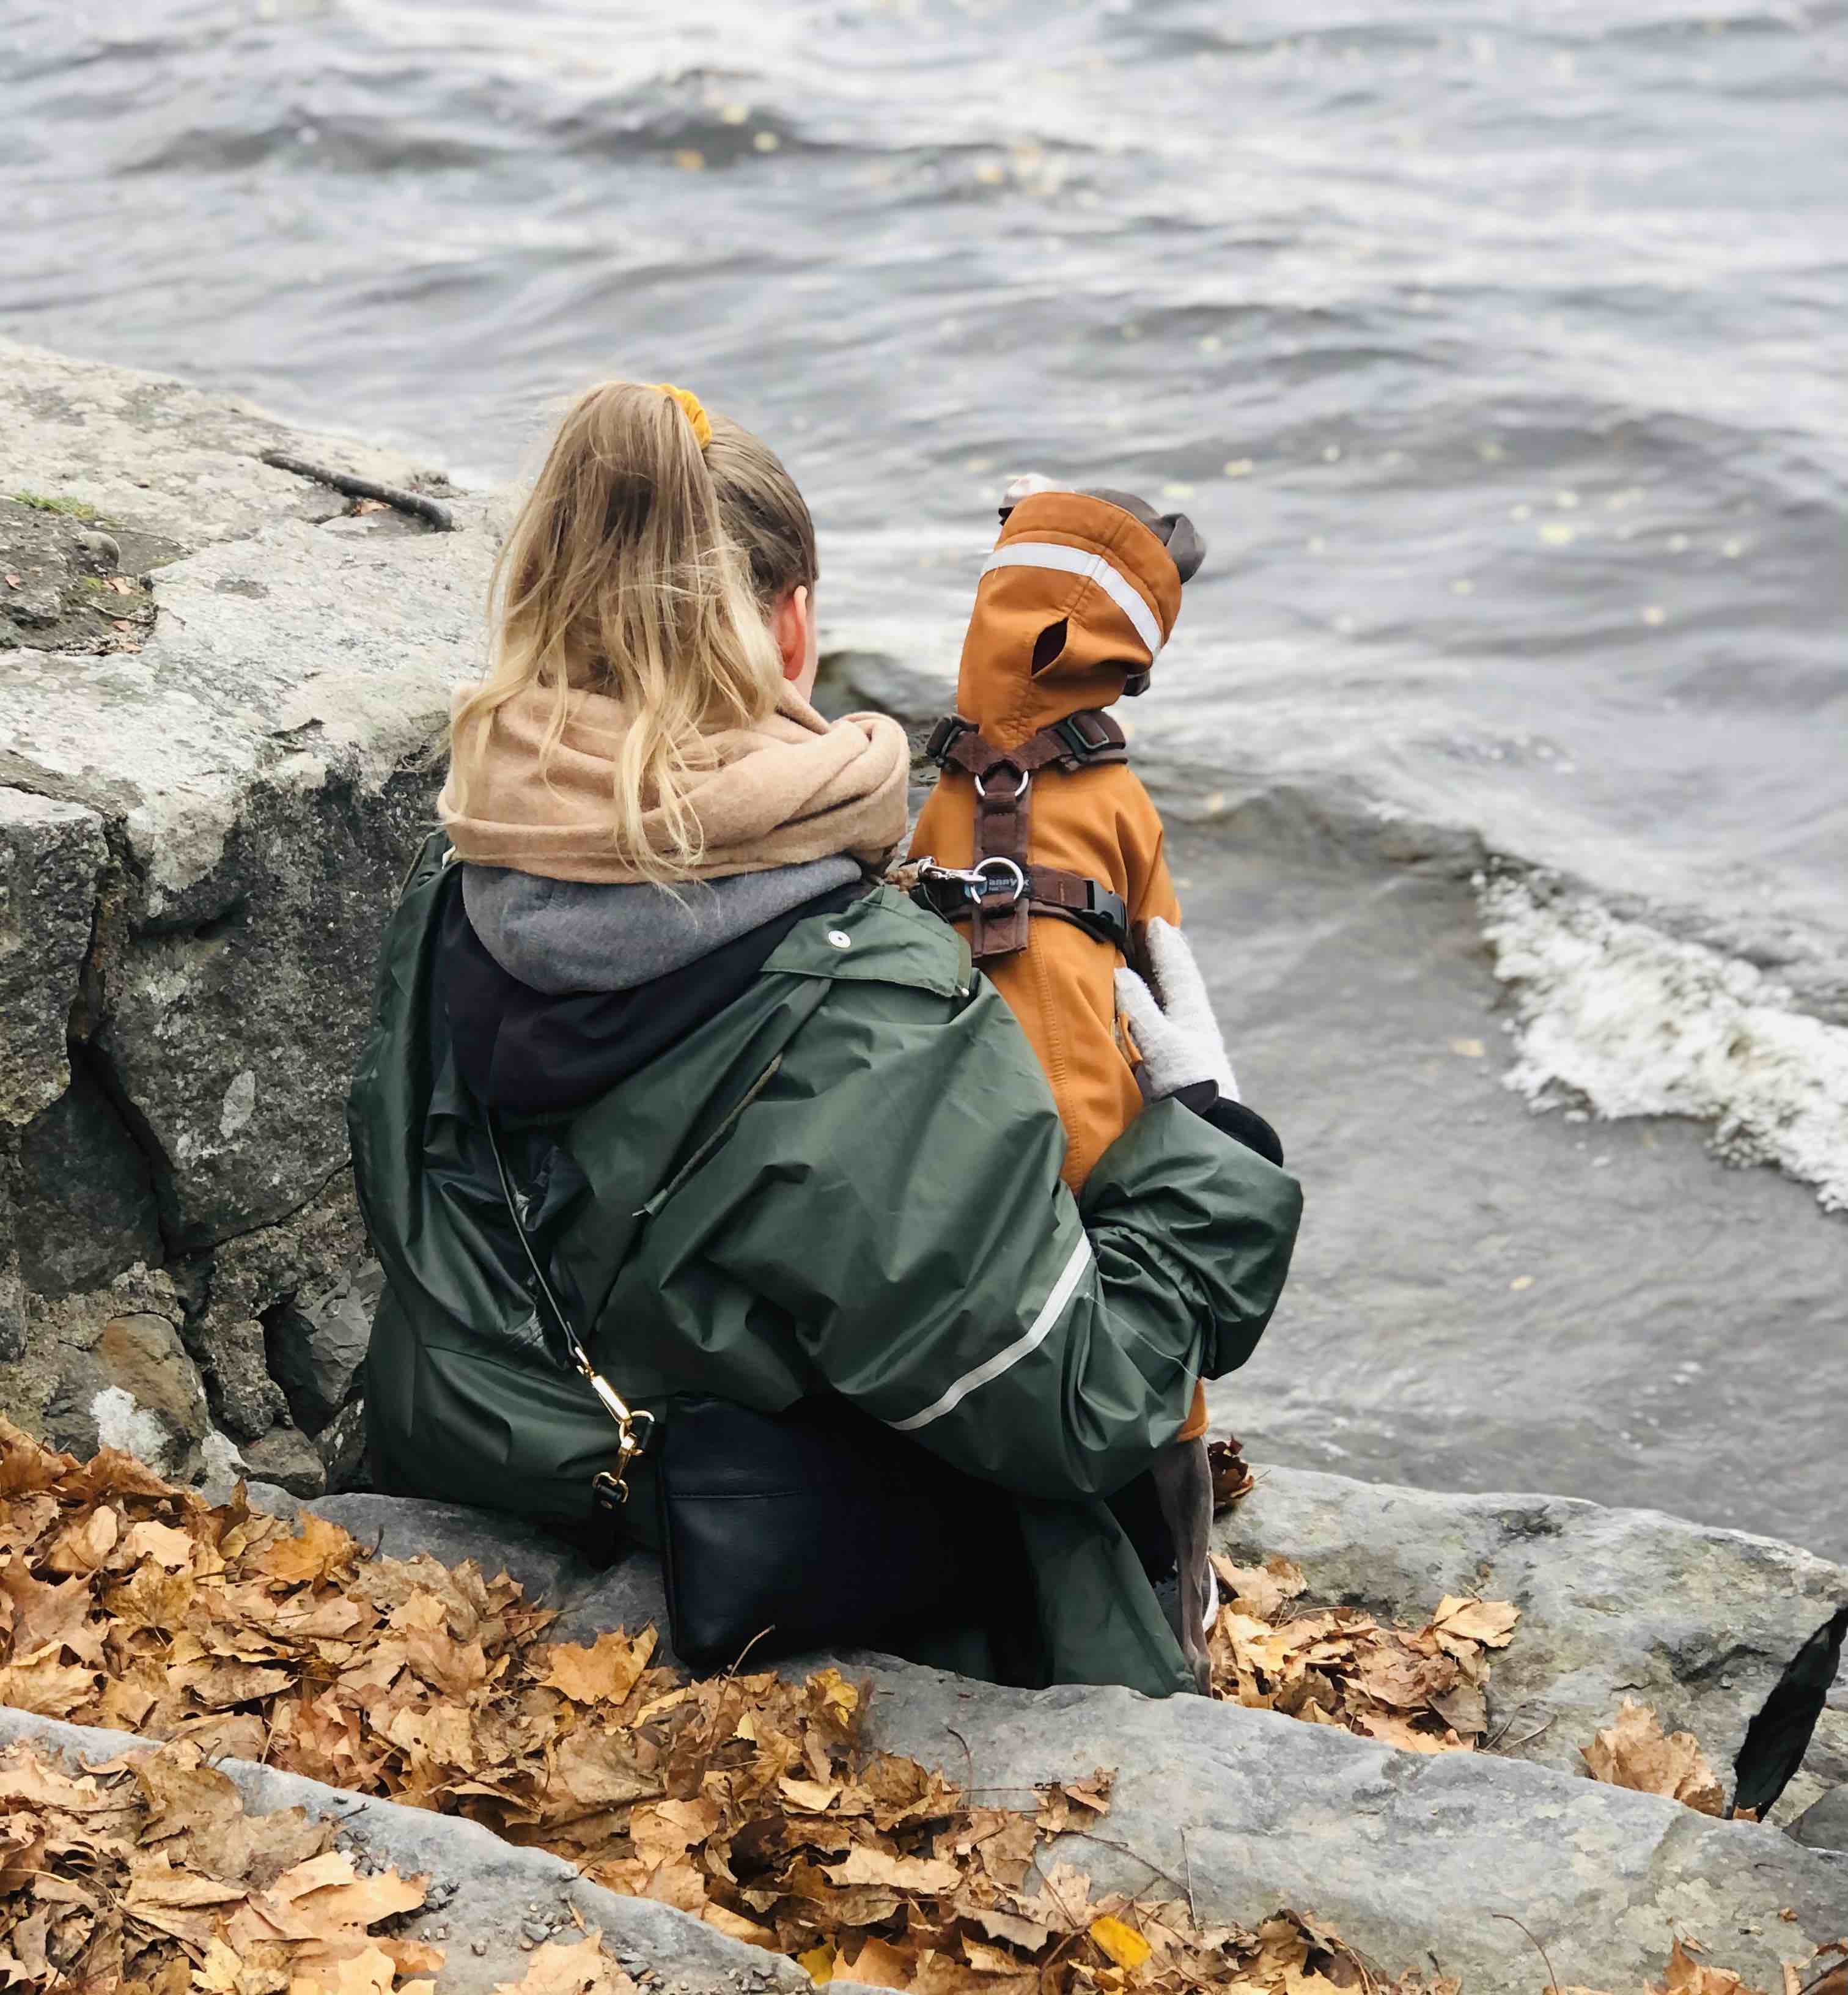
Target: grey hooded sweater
x=560, y=936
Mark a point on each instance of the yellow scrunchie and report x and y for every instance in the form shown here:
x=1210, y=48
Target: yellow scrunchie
x=691, y=406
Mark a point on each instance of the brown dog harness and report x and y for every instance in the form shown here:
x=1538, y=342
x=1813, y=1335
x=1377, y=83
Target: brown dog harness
x=998, y=895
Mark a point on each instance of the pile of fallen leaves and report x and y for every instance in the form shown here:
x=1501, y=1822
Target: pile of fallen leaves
x=745, y=1800
x=152, y=1874
x=1420, y=1688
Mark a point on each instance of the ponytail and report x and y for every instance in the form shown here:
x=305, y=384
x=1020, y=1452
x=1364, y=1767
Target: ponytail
x=628, y=573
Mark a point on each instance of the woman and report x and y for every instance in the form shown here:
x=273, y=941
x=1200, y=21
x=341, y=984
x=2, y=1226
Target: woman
x=768, y=1135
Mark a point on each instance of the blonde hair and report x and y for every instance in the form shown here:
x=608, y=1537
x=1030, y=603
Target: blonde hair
x=643, y=567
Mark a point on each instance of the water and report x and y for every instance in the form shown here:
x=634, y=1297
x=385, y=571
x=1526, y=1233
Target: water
x=1500, y=352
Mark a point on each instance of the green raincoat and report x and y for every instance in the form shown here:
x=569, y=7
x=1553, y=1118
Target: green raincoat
x=847, y=1179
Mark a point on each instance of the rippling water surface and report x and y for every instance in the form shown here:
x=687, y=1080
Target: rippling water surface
x=1501, y=351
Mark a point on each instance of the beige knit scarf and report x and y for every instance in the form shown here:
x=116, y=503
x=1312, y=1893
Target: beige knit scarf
x=794, y=788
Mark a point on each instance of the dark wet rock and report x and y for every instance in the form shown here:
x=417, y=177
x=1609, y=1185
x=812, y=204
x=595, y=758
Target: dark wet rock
x=245, y=1399
x=61, y=587
x=317, y=1344
x=342, y=1447
x=51, y=856
x=87, y=1208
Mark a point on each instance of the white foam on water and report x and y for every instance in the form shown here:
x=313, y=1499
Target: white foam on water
x=1614, y=1014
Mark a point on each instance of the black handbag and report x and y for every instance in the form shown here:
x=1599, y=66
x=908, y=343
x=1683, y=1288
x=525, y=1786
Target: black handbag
x=815, y=1527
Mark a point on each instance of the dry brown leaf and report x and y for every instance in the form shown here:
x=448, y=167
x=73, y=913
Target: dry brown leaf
x=581, y=1968
x=878, y=1966
x=1490, y=1623
x=1634, y=1753
x=1231, y=1474
x=318, y=1551
x=604, y=1673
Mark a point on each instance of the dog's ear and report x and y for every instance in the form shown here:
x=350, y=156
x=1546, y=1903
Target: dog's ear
x=1181, y=537
x=1175, y=530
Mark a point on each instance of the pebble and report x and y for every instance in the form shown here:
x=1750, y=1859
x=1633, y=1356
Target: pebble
x=478, y=1947
x=535, y=1930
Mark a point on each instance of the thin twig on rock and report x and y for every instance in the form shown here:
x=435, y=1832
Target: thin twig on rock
x=418, y=502
x=1552, y=1986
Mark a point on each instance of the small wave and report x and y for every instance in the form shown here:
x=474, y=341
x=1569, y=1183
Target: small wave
x=342, y=145
x=1616, y=1017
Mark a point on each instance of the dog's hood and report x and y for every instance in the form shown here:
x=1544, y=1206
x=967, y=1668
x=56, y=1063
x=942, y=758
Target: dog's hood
x=1080, y=594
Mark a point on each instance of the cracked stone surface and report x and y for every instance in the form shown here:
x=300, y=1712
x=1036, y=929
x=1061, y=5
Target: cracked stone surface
x=477, y=1882
x=204, y=820
x=52, y=854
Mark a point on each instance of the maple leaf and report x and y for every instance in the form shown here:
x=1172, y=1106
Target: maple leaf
x=1260, y=1591
x=1634, y=1753
x=169, y=1548
x=84, y=1544
x=320, y=1550
x=604, y=1673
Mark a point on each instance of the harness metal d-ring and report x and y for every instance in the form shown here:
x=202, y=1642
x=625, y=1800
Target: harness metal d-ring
x=980, y=890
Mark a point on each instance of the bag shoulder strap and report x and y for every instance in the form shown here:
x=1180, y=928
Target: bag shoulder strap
x=609, y=1486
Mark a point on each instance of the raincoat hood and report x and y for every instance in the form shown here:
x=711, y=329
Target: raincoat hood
x=1078, y=597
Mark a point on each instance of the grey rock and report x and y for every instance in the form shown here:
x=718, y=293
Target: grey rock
x=1824, y=1824
x=247, y=1276
x=1700, y=1622
x=267, y=762
x=287, y=1457
x=476, y=1881
x=342, y=1447
x=103, y=548
x=245, y=1399
x=134, y=1389
x=52, y=856
x=316, y=1347
x=1406, y=1855
x=13, y=1286
x=87, y=1208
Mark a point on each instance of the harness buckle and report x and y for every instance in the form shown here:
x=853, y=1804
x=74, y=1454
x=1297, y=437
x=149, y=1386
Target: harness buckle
x=977, y=888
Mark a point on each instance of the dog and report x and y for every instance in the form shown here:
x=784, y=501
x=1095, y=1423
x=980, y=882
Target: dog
x=1043, y=839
